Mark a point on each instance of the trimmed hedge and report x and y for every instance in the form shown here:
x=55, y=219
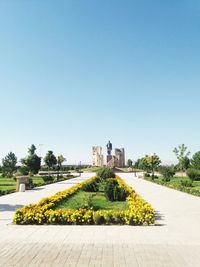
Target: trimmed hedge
x=139, y=212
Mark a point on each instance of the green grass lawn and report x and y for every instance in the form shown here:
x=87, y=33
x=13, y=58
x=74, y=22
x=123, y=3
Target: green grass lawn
x=96, y=200
x=91, y=169
x=175, y=183
x=37, y=180
x=8, y=185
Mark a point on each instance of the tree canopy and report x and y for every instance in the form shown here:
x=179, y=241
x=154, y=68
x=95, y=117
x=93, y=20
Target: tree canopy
x=182, y=157
x=9, y=164
x=50, y=159
x=32, y=162
x=195, y=161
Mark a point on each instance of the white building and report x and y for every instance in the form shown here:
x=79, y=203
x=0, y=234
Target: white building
x=97, y=157
x=120, y=155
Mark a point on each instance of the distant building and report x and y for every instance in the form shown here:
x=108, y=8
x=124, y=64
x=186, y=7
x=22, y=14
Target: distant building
x=97, y=157
x=117, y=160
x=120, y=155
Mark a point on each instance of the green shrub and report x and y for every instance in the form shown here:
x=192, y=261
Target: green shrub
x=167, y=172
x=193, y=174
x=31, y=185
x=147, y=175
x=104, y=173
x=24, y=170
x=91, y=187
x=187, y=183
x=98, y=218
x=47, y=178
x=114, y=192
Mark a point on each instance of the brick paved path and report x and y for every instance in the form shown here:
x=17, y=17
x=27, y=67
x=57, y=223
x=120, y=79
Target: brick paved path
x=174, y=242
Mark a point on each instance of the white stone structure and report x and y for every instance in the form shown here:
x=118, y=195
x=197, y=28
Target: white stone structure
x=120, y=155
x=97, y=157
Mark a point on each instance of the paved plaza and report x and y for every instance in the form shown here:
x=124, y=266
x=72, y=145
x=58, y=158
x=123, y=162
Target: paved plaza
x=173, y=242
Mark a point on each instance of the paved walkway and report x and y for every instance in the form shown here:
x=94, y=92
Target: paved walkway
x=174, y=242
x=9, y=203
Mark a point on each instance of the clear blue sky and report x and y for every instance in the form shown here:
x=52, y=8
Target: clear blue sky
x=79, y=73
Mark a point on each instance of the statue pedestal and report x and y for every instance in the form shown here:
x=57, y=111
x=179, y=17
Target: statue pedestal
x=22, y=180
x=109, y=157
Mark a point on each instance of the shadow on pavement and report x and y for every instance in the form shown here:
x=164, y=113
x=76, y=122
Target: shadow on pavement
x=7, y=207
x=159, y=218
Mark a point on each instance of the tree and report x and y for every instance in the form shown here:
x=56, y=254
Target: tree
x=137, y=164
x=167, y=172
x=32, y=162
x=60, y=160
x=182, y=156
x=193, y=174
x=9, y=164
x=195, y=161
x=50, y=160
x=150, y=163
x=129, y=163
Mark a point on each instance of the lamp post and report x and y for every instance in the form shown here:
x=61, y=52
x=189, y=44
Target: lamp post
x=80, y=168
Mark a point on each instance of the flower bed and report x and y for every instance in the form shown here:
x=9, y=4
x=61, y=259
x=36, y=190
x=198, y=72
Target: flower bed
x=138, y=213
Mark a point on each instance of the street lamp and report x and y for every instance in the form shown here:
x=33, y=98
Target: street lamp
x=80, y=168
x=152, y=164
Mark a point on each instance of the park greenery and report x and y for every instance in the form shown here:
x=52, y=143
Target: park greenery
x=188, y=168
x=31, y=166
x=107, y=200
x=54, y=169
x=32, y=163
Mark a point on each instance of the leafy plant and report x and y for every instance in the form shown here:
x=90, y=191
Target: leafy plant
x=195, y=161
x=167, y=172
x=93, y=186
x=193, y=174
x=129, y=163
x=114, y=192
x=9, y=164
x=182, y=156
x=105, y=172
x=48, y=178
x=150, y=163
x=50, y=160
x=187, y=183
x=88, y=202
x=32, y=162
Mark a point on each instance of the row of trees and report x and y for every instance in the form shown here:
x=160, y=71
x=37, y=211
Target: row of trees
x=31, y=163
x=150, y=163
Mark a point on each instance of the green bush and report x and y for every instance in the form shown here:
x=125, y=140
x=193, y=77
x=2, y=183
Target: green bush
x=104, y=173
x=193, y=174
x=91, y=187
x=48, y=179
x=114, y=192
x=24, y=170
x=98, y=218
x=147, y=175
x=167, y=172
x=187, y=183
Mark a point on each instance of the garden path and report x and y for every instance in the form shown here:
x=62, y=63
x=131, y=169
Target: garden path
x=174, y=242
x=9, y=203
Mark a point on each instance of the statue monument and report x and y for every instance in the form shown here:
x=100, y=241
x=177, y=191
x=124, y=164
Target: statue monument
x=109, y=148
